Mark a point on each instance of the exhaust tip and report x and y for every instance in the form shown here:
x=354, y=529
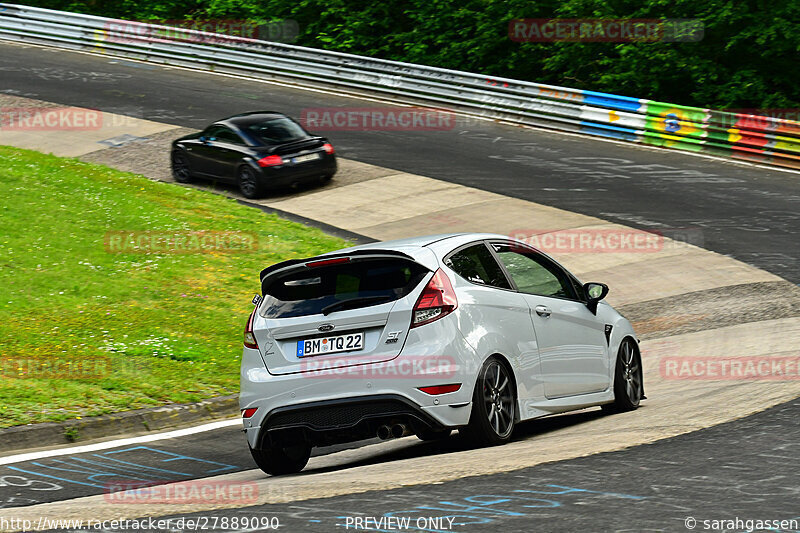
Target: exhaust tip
x=384, y=432
x=398, y=431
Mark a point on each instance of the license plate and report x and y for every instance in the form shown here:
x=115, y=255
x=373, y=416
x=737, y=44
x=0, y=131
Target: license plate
x=325, y=345
x=304, y=158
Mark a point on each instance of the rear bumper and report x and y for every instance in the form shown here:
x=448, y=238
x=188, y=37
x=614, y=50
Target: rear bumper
x=350, y=403
x=343, y=420
x=289, y=174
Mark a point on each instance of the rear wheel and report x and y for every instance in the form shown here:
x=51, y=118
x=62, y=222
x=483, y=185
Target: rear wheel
x=277, y=461
x=493, y=405
x=180, y=168
x=628, y=379
x=249, y=183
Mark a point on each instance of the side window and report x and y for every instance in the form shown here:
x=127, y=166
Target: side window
x=533, y=273
x=476, y=264
x=223, y=134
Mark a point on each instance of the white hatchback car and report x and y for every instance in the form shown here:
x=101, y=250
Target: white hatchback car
x=474, y=332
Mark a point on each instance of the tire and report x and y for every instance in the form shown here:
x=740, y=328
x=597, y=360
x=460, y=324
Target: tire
x=628, y=379
x=326, y=178
x=281, y=461
x=180, y=168
x=494, y=405
x=433, y=434
x=249, y=184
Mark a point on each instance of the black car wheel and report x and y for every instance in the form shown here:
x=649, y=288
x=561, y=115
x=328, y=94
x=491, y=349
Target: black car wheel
x=279, y=461
x=628, y=379
x=180, y=168
x=249, y=183
x=493, y=405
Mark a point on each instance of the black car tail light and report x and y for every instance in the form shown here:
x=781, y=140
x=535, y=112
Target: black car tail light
x=270, y=161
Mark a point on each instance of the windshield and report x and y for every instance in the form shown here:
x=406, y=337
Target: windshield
x=277, y=130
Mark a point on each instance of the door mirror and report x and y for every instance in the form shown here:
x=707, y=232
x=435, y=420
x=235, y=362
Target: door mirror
x=594, y=292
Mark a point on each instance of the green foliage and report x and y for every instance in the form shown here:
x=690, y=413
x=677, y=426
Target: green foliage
x=71, y=434
x=85, y=330
x=747, y=59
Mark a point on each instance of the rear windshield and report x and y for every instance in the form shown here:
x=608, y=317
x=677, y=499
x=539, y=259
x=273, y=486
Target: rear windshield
x=277, y=130
x=313, y=290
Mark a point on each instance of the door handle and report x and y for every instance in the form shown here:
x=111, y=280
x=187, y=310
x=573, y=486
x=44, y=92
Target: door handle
x=542, y=311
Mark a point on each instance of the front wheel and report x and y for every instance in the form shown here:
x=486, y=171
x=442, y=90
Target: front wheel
x=628, y=379
x=277, y=461
x=249, y=183
x=180, y=168
x=493, y=405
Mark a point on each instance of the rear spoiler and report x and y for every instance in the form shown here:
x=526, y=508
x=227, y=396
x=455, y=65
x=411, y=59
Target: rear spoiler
x=299, y=142
x=356, y=253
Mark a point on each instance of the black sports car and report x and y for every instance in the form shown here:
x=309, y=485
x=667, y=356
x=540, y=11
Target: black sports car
x=257, y=151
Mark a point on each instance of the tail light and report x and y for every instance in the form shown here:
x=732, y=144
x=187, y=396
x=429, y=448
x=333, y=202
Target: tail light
x=440, y=389
x=270, y=161
x=249, y=337
x=437, y=300
x=328, y=148
x=326, y=262
x=249, y=412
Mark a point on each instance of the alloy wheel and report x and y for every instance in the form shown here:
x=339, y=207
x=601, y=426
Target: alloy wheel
x=498, y=398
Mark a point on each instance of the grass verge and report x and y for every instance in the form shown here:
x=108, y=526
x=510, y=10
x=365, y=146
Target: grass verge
x=99, y=312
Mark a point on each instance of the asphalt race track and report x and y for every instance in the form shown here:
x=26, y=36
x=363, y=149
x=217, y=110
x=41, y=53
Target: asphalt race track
x=721, y=473
x=749, y=213
x=744, y=469
x=74, y=475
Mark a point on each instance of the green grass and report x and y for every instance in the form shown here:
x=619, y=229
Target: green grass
x=150, y=328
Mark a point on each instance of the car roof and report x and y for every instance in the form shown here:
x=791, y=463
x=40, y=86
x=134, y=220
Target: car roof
x=426, y=250
x=425, y=240
x=245, y=119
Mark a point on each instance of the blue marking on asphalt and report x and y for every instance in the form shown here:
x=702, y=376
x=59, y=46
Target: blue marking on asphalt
x=93, y=469
x=133, y=466
x=56, y=477
x=483, y=508
x=177, y=457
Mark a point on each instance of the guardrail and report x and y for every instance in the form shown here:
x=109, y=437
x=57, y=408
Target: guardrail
x=749, y=137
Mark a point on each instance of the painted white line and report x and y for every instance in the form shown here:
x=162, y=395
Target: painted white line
x=120, y=442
